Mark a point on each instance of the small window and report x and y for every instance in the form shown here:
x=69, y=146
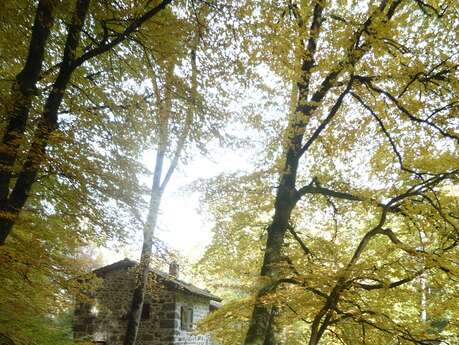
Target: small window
x=146, y=311
x=95, y=309
x=186, y=318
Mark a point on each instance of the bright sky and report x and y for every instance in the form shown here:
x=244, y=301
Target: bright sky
x=181, y=226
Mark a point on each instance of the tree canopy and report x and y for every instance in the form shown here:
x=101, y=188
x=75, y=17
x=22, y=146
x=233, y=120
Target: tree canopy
x=345, y=229
x=351, y=213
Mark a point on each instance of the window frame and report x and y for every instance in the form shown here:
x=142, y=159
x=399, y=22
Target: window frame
x=186, y=318
x=146, y=309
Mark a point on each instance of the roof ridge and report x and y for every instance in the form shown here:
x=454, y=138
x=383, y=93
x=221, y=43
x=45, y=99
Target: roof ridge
x=178, y=282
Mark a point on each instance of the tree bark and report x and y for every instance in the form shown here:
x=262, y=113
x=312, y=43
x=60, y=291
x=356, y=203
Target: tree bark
x=135, y=311
x=272, y=335
x=285, y=202
x=287, y=195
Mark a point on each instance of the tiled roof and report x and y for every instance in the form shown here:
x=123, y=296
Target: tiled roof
x=176, y=283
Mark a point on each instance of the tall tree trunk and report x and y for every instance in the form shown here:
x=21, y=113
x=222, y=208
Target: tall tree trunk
x=286, y=199
x=287, y=194
x=272, y=334
x=260, y=330
x=158, y=188
x=22, y=92
x=47, y=124
x=135, y=311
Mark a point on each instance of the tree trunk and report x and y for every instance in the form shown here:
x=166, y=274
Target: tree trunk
x=22, y=92
x=135, y=311
x=287, y=195
x=271, y=337
x=286, y=199
x=157, y=189
x=47, y=124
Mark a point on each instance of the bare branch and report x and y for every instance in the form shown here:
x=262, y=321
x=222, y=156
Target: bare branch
x=188, y=120
x=426, y=8
x=310, y=189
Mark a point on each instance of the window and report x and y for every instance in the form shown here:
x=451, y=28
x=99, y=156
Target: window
x=146, y=311
x=186, y=318
x=95, y=309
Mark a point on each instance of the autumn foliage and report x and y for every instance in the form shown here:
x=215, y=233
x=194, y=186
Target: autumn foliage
x=343, y=231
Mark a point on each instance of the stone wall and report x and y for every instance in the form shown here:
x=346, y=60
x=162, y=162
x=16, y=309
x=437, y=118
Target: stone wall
x=106, y=319
x=200, y=307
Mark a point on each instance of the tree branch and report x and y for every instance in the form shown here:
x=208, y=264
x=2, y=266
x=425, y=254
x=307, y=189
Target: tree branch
x=405, y=111
x=327, y=119
x=123, y=36
x=299, y=240
x=311, y=189
x=391, y=285
x=188, y=119
x=388, y=136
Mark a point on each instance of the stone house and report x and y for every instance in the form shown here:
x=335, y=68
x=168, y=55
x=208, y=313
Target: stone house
x=170, y=313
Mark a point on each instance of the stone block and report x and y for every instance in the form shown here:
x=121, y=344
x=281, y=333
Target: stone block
x=168, y=324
